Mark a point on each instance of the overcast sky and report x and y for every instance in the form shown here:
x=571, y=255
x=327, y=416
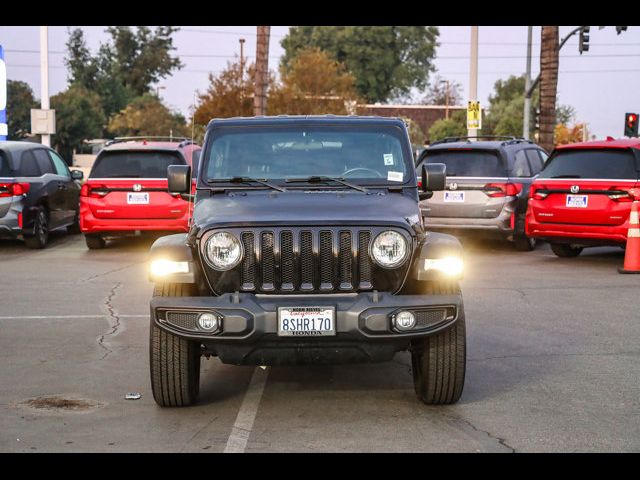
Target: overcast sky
x=600, y=84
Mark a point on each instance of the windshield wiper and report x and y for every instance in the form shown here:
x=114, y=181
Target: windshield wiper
x=246, y=180
x=324, y=178
x=566, y=176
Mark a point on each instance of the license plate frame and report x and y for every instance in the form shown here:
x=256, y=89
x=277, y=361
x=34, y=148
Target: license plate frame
x=572, y=201
x=137, y=198
x=314, y=316
x=453, y=197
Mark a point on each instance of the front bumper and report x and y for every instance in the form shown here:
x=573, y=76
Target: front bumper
x=250, y=326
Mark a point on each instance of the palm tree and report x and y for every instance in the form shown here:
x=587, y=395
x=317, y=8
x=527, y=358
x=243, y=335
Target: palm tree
x=548, y=85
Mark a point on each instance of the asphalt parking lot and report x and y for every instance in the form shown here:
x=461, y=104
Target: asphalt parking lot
x=553, y=365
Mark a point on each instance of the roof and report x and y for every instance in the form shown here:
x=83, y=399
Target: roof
x=16, y=146
x=307, y=119
x=609, y=143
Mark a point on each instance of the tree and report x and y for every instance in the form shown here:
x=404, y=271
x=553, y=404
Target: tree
x=416, y=135
x=443, y=92
x=230, y=94
x=314, y=84
x=147, y=115
x=79, y=116
x=20, y=101
x=386, y=61
x=123, y=68
x=455, y=126
x=549, y=49
x=563, y=134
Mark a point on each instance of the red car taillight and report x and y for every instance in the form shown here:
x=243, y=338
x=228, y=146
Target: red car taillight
x=14, y=189
x=95, y=191
x=502, y=189
x=538, y=192
x=621, y=194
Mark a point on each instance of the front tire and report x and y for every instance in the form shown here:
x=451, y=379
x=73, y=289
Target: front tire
x=174, y=362
x=565, y=251
x=40, y=235
x=439, y=361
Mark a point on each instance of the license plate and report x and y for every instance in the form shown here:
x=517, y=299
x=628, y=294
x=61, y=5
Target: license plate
x=577, y=201
x=454, y=197
x=306, y=321
x=137, y=198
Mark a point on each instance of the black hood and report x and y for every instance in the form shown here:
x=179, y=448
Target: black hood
x=306, y=207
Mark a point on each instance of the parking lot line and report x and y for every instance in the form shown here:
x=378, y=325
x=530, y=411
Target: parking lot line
x=237, y=441
x=63, y=317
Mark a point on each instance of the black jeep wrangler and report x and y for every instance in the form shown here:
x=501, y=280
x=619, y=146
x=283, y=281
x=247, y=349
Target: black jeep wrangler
x=306, y=246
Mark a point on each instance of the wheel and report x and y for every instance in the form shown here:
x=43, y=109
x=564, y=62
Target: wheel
x=524, y=243
x=174, y=362
x=439, y=361
x=95, y=242
x=40, y=235
x=74, y=228
x=565, y=251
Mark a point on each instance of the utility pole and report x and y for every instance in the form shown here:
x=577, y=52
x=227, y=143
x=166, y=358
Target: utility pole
x=242, y=58
x=446, y=99
x=473, y=73
x=262, y=71
x=527, y=85
x=44, y=76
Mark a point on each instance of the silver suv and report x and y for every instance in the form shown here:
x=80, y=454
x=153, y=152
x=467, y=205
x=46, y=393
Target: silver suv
x=487, y=186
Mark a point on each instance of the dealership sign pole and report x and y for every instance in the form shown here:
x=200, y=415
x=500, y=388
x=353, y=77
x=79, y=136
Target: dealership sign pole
x=3, y=97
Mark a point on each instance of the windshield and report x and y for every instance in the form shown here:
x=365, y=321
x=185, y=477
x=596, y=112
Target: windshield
x=142, y=164
x=365, y=155
x=469, y=163
x=606, y=164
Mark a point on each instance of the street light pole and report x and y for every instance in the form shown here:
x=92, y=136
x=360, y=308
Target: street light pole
x=44, y=76
x=527, y=85
x=473, y=74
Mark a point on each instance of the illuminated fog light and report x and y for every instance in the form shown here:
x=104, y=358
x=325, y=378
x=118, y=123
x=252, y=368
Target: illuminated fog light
x=404, y=320
x=208, y=322
x=450, y=266
x=162, y=267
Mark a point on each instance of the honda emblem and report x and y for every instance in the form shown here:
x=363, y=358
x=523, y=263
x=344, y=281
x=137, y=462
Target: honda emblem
x=575, y=188
x=137, y=187
x=453, y=186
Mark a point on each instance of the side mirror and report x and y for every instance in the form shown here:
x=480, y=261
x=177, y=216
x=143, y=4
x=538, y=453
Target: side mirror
x=179, y=177
x=434, y=177
x=77, y=174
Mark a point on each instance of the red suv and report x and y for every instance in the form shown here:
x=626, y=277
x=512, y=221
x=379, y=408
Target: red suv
x=126, y=191
x=583, y=195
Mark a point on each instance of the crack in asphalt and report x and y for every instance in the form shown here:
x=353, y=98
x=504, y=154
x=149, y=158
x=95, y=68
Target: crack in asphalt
x=110, y=271
x=112, y=316
x=603, y=354
x=501, y=441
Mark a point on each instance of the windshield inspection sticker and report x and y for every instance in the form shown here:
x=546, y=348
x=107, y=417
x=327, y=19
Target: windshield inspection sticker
x=388, y=158
x=395, y=176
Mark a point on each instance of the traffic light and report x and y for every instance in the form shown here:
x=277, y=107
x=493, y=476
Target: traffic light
x=583, y=46
x=620, y=30
x=630, y=124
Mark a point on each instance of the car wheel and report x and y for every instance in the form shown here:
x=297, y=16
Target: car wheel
x=439, y=361
x=74, y=228
x=565, y=251
x=174, y=362
x=95, y=242
x=40, y=235
x=524, y=243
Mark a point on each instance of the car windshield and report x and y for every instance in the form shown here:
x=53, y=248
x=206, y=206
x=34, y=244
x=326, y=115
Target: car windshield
x=605, y=164
x=142, y=164
x=469, y=163
x=364, y=155
x=4, y=165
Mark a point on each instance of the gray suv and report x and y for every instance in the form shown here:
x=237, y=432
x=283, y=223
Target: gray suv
x=487, y=186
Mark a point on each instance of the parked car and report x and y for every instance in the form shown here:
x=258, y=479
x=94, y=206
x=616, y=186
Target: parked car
x=583, y=195
x=38, y=193
x=306, y=246
x=126, y=191
x=487, y=186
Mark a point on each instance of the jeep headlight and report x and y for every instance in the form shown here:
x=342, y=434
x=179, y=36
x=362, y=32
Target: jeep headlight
x=389, y=249
x=449, y=266
x=223, y=251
